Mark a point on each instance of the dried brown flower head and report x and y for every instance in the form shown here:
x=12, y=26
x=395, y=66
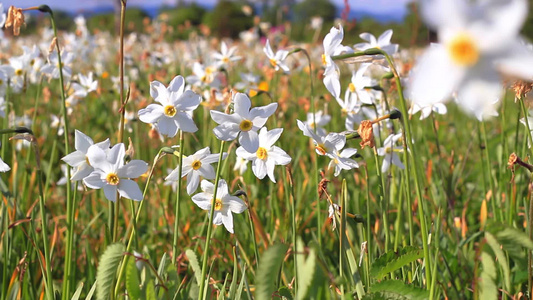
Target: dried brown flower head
x=521, y=88
x=15, y=19
x=367, y=135
x=513, y=158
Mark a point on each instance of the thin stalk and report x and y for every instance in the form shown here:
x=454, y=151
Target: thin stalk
x=528, y=137
x=496, y=213
x=178, y=196
x=132, y=230
x=410, y=149
x=122, y=108
x=210, y=224
x=70, y=205
x=292, y=206
x=252, y=228
x=383, y=203
x=530, y=233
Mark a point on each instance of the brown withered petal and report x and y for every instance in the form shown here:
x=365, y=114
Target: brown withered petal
x=15, y=19
x=366, y=132
x=512, y=160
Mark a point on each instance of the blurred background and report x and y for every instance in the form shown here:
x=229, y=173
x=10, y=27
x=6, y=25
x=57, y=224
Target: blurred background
x=301, y=21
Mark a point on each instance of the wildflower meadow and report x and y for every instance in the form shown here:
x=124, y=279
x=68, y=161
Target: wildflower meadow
x=139, y=164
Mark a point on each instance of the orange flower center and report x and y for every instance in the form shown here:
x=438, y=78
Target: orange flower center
x=112, y=179
x=463, y=51
x=170, y=110
x=261, y=153
x=196, y=164
x=246, y=125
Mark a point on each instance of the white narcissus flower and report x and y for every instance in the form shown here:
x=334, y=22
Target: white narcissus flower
x=267, y=155
x=382, y=42
x=340, y=159
x=51, y=68
x=332, y=46
x=477, y=39
x=318, y=121
x=324, y=145
x=244, y=122
x=241, y=165
x=85, y=86
x=174, y=111
x=360, y=85
x=78, y=159
x=225, y=56
x=112, y=174
x=194, y=166
x=426, y=111
x=225, y=204
x=276, y=60
x=389, y=151
x=3, y=166
x=203, y=76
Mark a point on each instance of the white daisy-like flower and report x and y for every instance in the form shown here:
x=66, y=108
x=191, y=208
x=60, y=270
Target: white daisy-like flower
x=78, y=159
x=382, y=42
x=318, y=121
x=276, y=59
x=439, y=108
x=267, y=155
x=389, y=151
x=225, y=204
x=194, y=166
x=476, y=40
x=226, y=55
x=244, y=122
x=112, y=174
x=175, y=107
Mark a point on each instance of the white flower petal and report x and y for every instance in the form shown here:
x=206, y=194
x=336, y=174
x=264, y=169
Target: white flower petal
x=128, y=188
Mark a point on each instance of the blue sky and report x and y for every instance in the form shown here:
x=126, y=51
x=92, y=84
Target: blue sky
x=375, y=6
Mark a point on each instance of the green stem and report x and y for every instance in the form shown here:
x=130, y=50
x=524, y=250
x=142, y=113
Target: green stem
x=383, y=203
x=210, y=225
x=178, y=196
x=132, y=230
x=496, y=213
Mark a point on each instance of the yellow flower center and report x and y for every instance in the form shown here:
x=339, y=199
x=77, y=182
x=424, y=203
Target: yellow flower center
x=19, y=72
x=273, y=62
x=463, y=50
x=218, y=204
x=196, y=164
x=170, y=110
x=225, y=59
x=112, y=179
x=324, y=61
x=261, y=153
x=246, y=125
x=351, y=87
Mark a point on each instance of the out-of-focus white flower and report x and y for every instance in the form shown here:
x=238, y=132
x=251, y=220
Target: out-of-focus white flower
x=426, y=111
x=316, y=22
x=78, y=159
x=52, y=67
x=203, y=76
x=476, y=41
x=383, y=42
x=225, y=56
x=389, y=151
x=85, y=86
x=241, y=165
x=276, y=59
x=318, y=121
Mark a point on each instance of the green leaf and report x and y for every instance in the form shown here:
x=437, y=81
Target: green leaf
x=391, y=261
x=306, y=271
x=395, y=289
x=501, y=257
x=513, y=240
x=91, y=291
x=268, y=270
x=150, y=291
x=241, y=284
x=487, y=287
x=107, y=269
x=78, y=291
x=285, y=292
x=132, y=280
x=233, y=285
x=195, y=265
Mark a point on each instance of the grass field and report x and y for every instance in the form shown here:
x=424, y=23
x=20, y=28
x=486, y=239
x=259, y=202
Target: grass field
x=327, y=184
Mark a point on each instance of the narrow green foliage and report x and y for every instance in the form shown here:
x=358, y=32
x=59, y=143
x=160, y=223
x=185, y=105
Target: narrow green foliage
x=395, y=289
x=241, y=284
x=132, y=280
x=107, y=269
x=394, y=260
x=150, y=291
x=78, y=291
x=501, y=258
x=306, y=269
x=268, y=270
x=195, y=265
x=233, y=285
x=91, y=291
x=487, y=287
